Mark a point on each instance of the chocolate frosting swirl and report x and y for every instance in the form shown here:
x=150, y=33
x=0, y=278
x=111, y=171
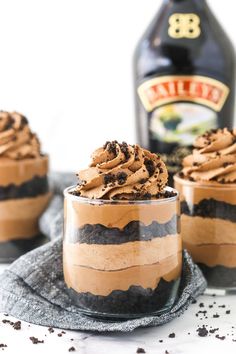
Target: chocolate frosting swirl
x=213, y=159
x=122, y=171
x=16, y=139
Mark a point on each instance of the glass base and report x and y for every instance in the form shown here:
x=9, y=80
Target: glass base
x=220, y=291
x=123, y=317
x=158, y=303
x=219, y=278
x=11, y=250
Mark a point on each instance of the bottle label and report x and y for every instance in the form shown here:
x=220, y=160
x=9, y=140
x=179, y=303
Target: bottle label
x=182, y=107
x=184, y=26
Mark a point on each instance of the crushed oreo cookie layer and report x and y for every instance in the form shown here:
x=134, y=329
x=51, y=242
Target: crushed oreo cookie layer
x=30, y=189
x=219, y=276
x=134, y=231
x=11, y=250
x=210, y=208
x=135, y=301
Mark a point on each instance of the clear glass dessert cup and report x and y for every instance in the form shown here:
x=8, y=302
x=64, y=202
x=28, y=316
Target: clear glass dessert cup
x=208, y=229
x=122, y=259
x=24, y=195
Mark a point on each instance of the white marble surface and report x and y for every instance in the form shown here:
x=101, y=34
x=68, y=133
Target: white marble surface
x=148, y=339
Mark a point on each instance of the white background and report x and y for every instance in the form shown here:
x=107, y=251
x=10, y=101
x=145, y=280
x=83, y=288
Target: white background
x=67, y=65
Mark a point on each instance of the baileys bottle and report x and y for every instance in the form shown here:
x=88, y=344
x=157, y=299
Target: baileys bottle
x=184, y=79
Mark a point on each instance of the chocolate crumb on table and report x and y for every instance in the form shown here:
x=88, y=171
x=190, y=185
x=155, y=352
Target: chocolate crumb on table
x=35, y=340
x=71, y=349
x=213, y=330
x=202, y=331
x=171, y=335
x=7, y=321
x=216, y=315
x=61, y=333
x=51, y=330
x=221, y=338
x=3, y=345
x=140, y=350
x=17, y=325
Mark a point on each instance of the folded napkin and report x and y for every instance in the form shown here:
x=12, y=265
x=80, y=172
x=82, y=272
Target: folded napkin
x=33, y=289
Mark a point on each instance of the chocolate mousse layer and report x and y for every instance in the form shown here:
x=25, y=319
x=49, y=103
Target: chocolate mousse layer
x=19, y=217
x=24, y=190
x=207, y=186
x=99, y=281
x=122, y=251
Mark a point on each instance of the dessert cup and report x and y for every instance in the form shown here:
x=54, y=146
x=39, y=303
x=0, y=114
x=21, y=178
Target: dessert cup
x=24, y=195
x=122, y=258
x=208, y=228
x=24, y=191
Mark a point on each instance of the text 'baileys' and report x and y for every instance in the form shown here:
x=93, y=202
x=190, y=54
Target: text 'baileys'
x=184, y=79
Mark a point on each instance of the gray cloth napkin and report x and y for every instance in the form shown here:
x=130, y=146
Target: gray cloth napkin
x=32, y=288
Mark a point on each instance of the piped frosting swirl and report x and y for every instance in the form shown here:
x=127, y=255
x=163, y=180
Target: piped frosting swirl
x=213, y=158
x=122, y=171
x=16, y=139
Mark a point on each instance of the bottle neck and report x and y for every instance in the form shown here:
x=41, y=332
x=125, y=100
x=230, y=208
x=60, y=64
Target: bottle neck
x=197, y=3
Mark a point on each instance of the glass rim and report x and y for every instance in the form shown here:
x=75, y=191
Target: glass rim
x=204, y=185
x=84, y=200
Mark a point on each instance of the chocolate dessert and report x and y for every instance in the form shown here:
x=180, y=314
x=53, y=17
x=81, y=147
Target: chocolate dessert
x=24, y=192
x=207, y=186
x=122, y=248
